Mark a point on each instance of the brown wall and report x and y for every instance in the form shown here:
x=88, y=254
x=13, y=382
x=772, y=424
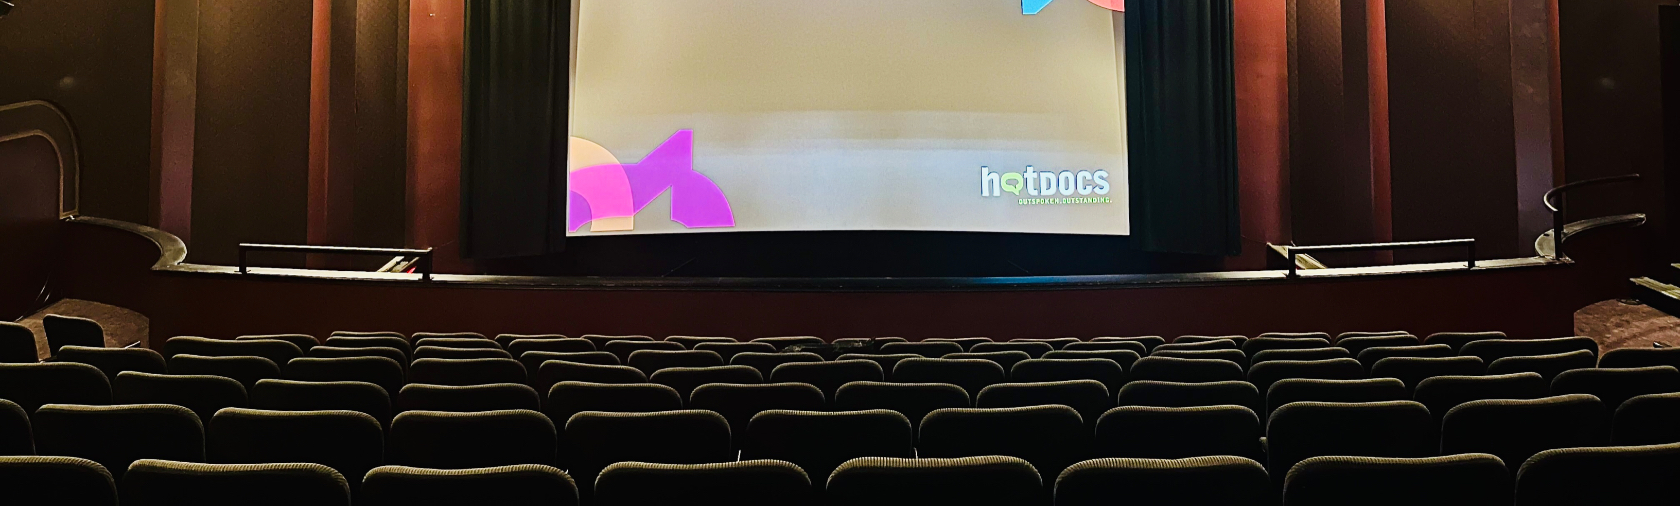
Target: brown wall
x=1331, y=177
x=28, y=221
x=1261, y=35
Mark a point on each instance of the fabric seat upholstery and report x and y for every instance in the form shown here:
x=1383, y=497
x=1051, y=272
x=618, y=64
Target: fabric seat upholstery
x=204, y=395
x=350, y=442
x=1549, y=366
x=739, y=403
x=926, y=349
x=1613, y=386
x=595, y=440
x=971, y=481
x=1648, y=419
x=1413, y=370
x=489, y=397
x=112, y=361
x=1043, y=370
x=444, y=440
x=767, y=362
x=246, y=370
x=278, y=351
x=686, y=379
x=1090, y=398
x=1176, y=433
x=1301, y=430
x=745, y=483
x=469, y=371
x=71, y=331
x=971, y=375
x=913, y=400
x=517, y=484
x=1050, y=437
x=828, y=376
x=167, y=483
x=289, y=395
x=386, y=373
x=1099, y=482
x=1516, y=429
x=651, y=361
x=67, y=481
x=33, y=385
x=1318, y=390
x=1169, y=394
x=569, y=398
x=1467, y=479
x=170, y=432
x=1441, y=393
x=1641, y=474
x=1185, y=370
x=819, y=442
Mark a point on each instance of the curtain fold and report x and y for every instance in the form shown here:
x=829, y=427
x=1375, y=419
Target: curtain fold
x=1181, y=102
x=513, y=129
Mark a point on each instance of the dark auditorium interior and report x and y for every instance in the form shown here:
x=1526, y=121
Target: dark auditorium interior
x=839, y=252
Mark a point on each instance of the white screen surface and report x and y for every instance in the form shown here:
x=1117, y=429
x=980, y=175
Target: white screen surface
x=810, y=115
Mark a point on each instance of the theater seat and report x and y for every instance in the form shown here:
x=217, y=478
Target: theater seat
x=1149, y=342
x=651, y=361
x=685, y=379
x=1320, y=390
x=1259, y=344
x=1043, y=370
x=71, y=331
x=1005, y=359
x=887, y=361
x=1494, y=349
x=1467, y=480
x=739, y=403
x=278, y=351
x=690, y=341
x=16, y=438
x=17, y=344
x=1104, y=482
x=1301, y=430
x=444, y=440
x=350, y=442
x=358, y=396
x=926, y=349
x=555, y=371
x=1354, y=345
x=1090, y=398
x=1516, y=429
x=1233, y=356
x=440, y=341
x=1050, y=437
x=518, y=484
x=488, y=397
x=1234, y=339
x=600, y=341
x=1549, y=366
x=325, y=351
x=971, y=481
x=462, y=372
x=386, y=373
x=913, y=400
x=32, y=385
x=971, y=375
x=372, y=341
x=204, y=395
x=167, y=483
x=147, y=431
x=246, y=370
x=1413, y=370
x=1648, y=419
x=595, y=440
x=749, y=482
x=1185, y=370
x=56, y=480
x=568, y=398
x=767, y=362
x=729, y=350
x=1054, y=342
x=506, y=340
x=783, y=342
x=1169, y=394
x=1633, y=474
x=1175, y=433
x=966, y=342
x=1613, y=386
x=115, y=360
x=1126, y=358
x=1302, y=354
x=1294, y=335
x=1441, y=393
x=533, y=360
x=819, y=442
x=1264, y=374
x=519, y=346
x=1197, y=345
x=1135, y=346
x=429, y=351
x=828, y=376
x=1033, y=348
x=303, y=341
x=1370, y=356
x=1457, y=340
x=623, y=348
x=1640, y=357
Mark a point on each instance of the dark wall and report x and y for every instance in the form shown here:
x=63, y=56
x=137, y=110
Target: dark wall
x=28, y=221
x=93, y=59
x=1331, y=178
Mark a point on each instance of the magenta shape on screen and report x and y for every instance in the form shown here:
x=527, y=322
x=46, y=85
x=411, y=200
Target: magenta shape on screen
x=619, y=190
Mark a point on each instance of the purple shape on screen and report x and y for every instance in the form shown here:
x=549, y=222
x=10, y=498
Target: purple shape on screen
x=618, y=190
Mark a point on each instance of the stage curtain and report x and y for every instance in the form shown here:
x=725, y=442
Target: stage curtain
x=1182, y=126
x=513, y=153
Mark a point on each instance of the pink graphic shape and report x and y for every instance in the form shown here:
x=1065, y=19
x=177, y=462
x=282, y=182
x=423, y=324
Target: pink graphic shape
x=618, y=190
x=1113, y=5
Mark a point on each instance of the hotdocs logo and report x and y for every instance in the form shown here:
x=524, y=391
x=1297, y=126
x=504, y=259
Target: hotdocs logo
x=610, y=194
x=1030, y=7
x=1048, y=186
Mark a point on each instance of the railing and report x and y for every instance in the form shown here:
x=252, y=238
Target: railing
x=425, y=255
x=1555, y=203
x=1469, y=246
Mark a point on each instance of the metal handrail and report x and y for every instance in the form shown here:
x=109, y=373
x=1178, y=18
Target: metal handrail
x=1555, y=203
x=1469, y=244
x=425, y=255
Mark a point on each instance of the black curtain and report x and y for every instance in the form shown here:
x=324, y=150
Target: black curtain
x=1181, y=100
x=513, y=192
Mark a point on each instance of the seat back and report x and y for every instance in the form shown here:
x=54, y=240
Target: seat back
x=489, y=397
x=519, y=346
x=819, y=442
x=686, y=379
x=651, y=361
x=1516, y=429
x=1613, y=386
x=1156, y=481
x=386, y=373
x=517, y=484
x=966, y=342
x=595, y=440
x=1054, y=342
x=1413, y=370
x=1370, y=356
x=623, y=348
x=1089, y=397
x=1354, y=335
x=1494, y=349
x=303, y=341
x=444, y=440
x=170, y=432
x=430, y=351
x=17, y=344
x=971, y=375
x=466, y=371
x=276, y=350
x=767, y=362
x=925, y=349
x=30, y=479
x=1168, y=394
x=352, y=333
x=115, y=360
x=600, y=341
x=71, y=331
x=1468, y=479
x=1549, y=366
x=1640, y=357
x=1299, y=354
x=1126, y=358
x=1043, y=370
x=533, y=360
x=16, y=437
x=887, y=361
x=1354, y=345
x=1176, y=433
x=729, y=350
x=289, y=395
x=168, y=483
x=1148, y=342
x=1295, y=335
x=204, y=395
x=246, y=370
x=1320, y=390
x=828, y=376
x=1198, y=345
x=1051, y=437
x=380, y=341
x=1457, y=340
x=569, y=398
x=1301, y=430
x=1234, y=339
x=1441, y=393
x=690, y=341
x=350, y=442
x=1263, y=374
x=33, y=385
x=454, y=341
x=555, y=371
x=1263, y=343
x=913, y=400
x=1233, y=356
x=1185, y=370
x=1135, y=346
x=506, y=340
x=1642, y=474
x=1033, y=348
x=1006, y=359
x=327, y=351
x=971, y=481
x=1649, y=419
x=749, y=482
x=739, y=403
x=783, y=342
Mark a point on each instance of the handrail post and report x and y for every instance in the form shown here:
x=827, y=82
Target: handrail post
x=1471, y=246
x=1557, y=228
x=242, y=269
x=1292, y=264
x=426, y=264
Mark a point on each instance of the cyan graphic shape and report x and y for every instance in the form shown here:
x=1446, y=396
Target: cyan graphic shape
x=1030, y=7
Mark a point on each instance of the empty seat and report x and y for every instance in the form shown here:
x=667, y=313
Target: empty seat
x=459, y=353
x=1149, y=342
x=1357, y=335
x=686, y=379
x=1649, y=419
x=738, y=403
x=395, y=342
x=325, y=351
x=1320, y=390
x=1616, y=385
x=456, y=342
x=1051, y=437
x=278, y=351
x=1515, y=430
x=865, y=341
x=417, y=336
x=17, y=344
x=1549, y=366
x=971, y=481
x=690, y=341
x=1442, y=393
x=1628, y=474
x=1457, y=340
x=303, y=341
x=114, y=436
x=767, y=362
x=518, y=484
x=518, y=347
x=168, y=483
x=1168, y=394
x=966, y=342
x=1354, y=345
x=729, y=350
x=745, y=483
x=246, y=370
x=783, y=342
x=350, y=442
x=971, y=375
x=1295, y=335
x=489, y=397
x=204, y=395
x=650, y=361
x=386, y=373
x=1054, y=342
x=1233, y=356
x=1299, y=354
x=287, y=395
x=623, y=349
x=1215, y=344
x=1494, y=349
x=1235, y=339
x=1413, y=370
x=1099, y=482
x=506, y=340
x=353, y=333
x=828, y=376
x=1259, y=344
x=1301, y=430
x=1042, y=370
x=466, y=371
x=595, y=440
x=1033, y=348
x=1467, y=480
x=887, y=361
x=1372, y=355
x=1134, y=346
x=1640, y=357
x=533, y=360
x=1090, y=398
x=926, y=349
x=568, y=398
x=1006, y=359
x=1126, y=358
x=913, y=400
x=64, y=481
x=1263, y=374
x=115, y=360
x=818, y=442
x=444, y=440
x=1185, y=370
x=1175, y=433
x=32, y=385
x=16, y=438
x=601, y=341
x=71, y=331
